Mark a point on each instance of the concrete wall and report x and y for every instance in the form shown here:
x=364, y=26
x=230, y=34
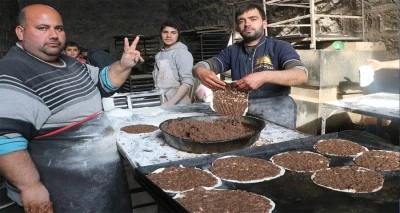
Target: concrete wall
x=8, y=14
x=196, y=13
x=382, y=24
x=94, y=23
x=328, y=67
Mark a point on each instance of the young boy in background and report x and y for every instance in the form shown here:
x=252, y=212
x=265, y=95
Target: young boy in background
x=71, y=49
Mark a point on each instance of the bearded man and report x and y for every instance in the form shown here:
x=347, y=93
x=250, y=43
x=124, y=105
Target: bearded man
x=263, y=66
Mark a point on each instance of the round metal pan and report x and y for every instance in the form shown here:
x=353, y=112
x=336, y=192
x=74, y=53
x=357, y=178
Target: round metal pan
x=209, y=147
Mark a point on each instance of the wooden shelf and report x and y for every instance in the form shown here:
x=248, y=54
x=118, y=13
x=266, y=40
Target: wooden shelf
x=206, y=42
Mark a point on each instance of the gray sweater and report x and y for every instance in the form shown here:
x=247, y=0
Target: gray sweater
x=180, y=61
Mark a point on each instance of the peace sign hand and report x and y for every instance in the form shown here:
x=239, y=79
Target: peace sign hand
x=130, y=56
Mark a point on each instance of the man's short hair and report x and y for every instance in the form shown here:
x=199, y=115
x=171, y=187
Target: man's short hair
x=246, y=7
x=169, y=23
x=21, y=18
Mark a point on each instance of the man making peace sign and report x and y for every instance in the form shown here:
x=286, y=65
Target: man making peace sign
x=57, y=152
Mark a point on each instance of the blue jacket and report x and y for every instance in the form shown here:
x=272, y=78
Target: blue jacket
x=269, y=54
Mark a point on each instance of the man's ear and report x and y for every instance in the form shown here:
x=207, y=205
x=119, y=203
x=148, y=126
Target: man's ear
x=19, y=30
x=265, y=24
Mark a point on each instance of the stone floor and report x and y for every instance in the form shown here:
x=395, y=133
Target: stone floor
x=142, y=202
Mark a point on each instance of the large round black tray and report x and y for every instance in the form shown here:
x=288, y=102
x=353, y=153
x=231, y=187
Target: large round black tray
x=208, y=147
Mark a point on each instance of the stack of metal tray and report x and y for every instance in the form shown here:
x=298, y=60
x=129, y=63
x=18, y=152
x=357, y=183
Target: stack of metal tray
x=295, y=192
x=138, y=99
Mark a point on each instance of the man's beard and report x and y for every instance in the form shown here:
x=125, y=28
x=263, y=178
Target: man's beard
x=53, y=51
x=251, y=37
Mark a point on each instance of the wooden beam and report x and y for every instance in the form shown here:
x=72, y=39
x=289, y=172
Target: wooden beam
x=313, y=44
x=337, y=16
x=291, y=25
x=289, y=20
x=291, y=5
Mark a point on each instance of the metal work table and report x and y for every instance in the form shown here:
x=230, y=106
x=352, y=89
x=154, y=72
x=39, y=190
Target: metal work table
x=151, y=149
x=380, y=105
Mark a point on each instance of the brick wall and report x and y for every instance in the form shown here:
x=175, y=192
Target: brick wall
x=8, y=14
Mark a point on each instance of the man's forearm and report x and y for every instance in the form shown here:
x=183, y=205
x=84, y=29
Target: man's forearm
x=395, y=64
x=117, y=74
x=291, y=77
x=197, y=68
x=180, y=93
x=207, y=77
x=19, y=170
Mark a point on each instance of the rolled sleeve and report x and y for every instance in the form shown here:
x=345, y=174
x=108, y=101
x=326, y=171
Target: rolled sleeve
x=213, y=64
x=302, y=68
x=106, y=81
x=9, y=145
